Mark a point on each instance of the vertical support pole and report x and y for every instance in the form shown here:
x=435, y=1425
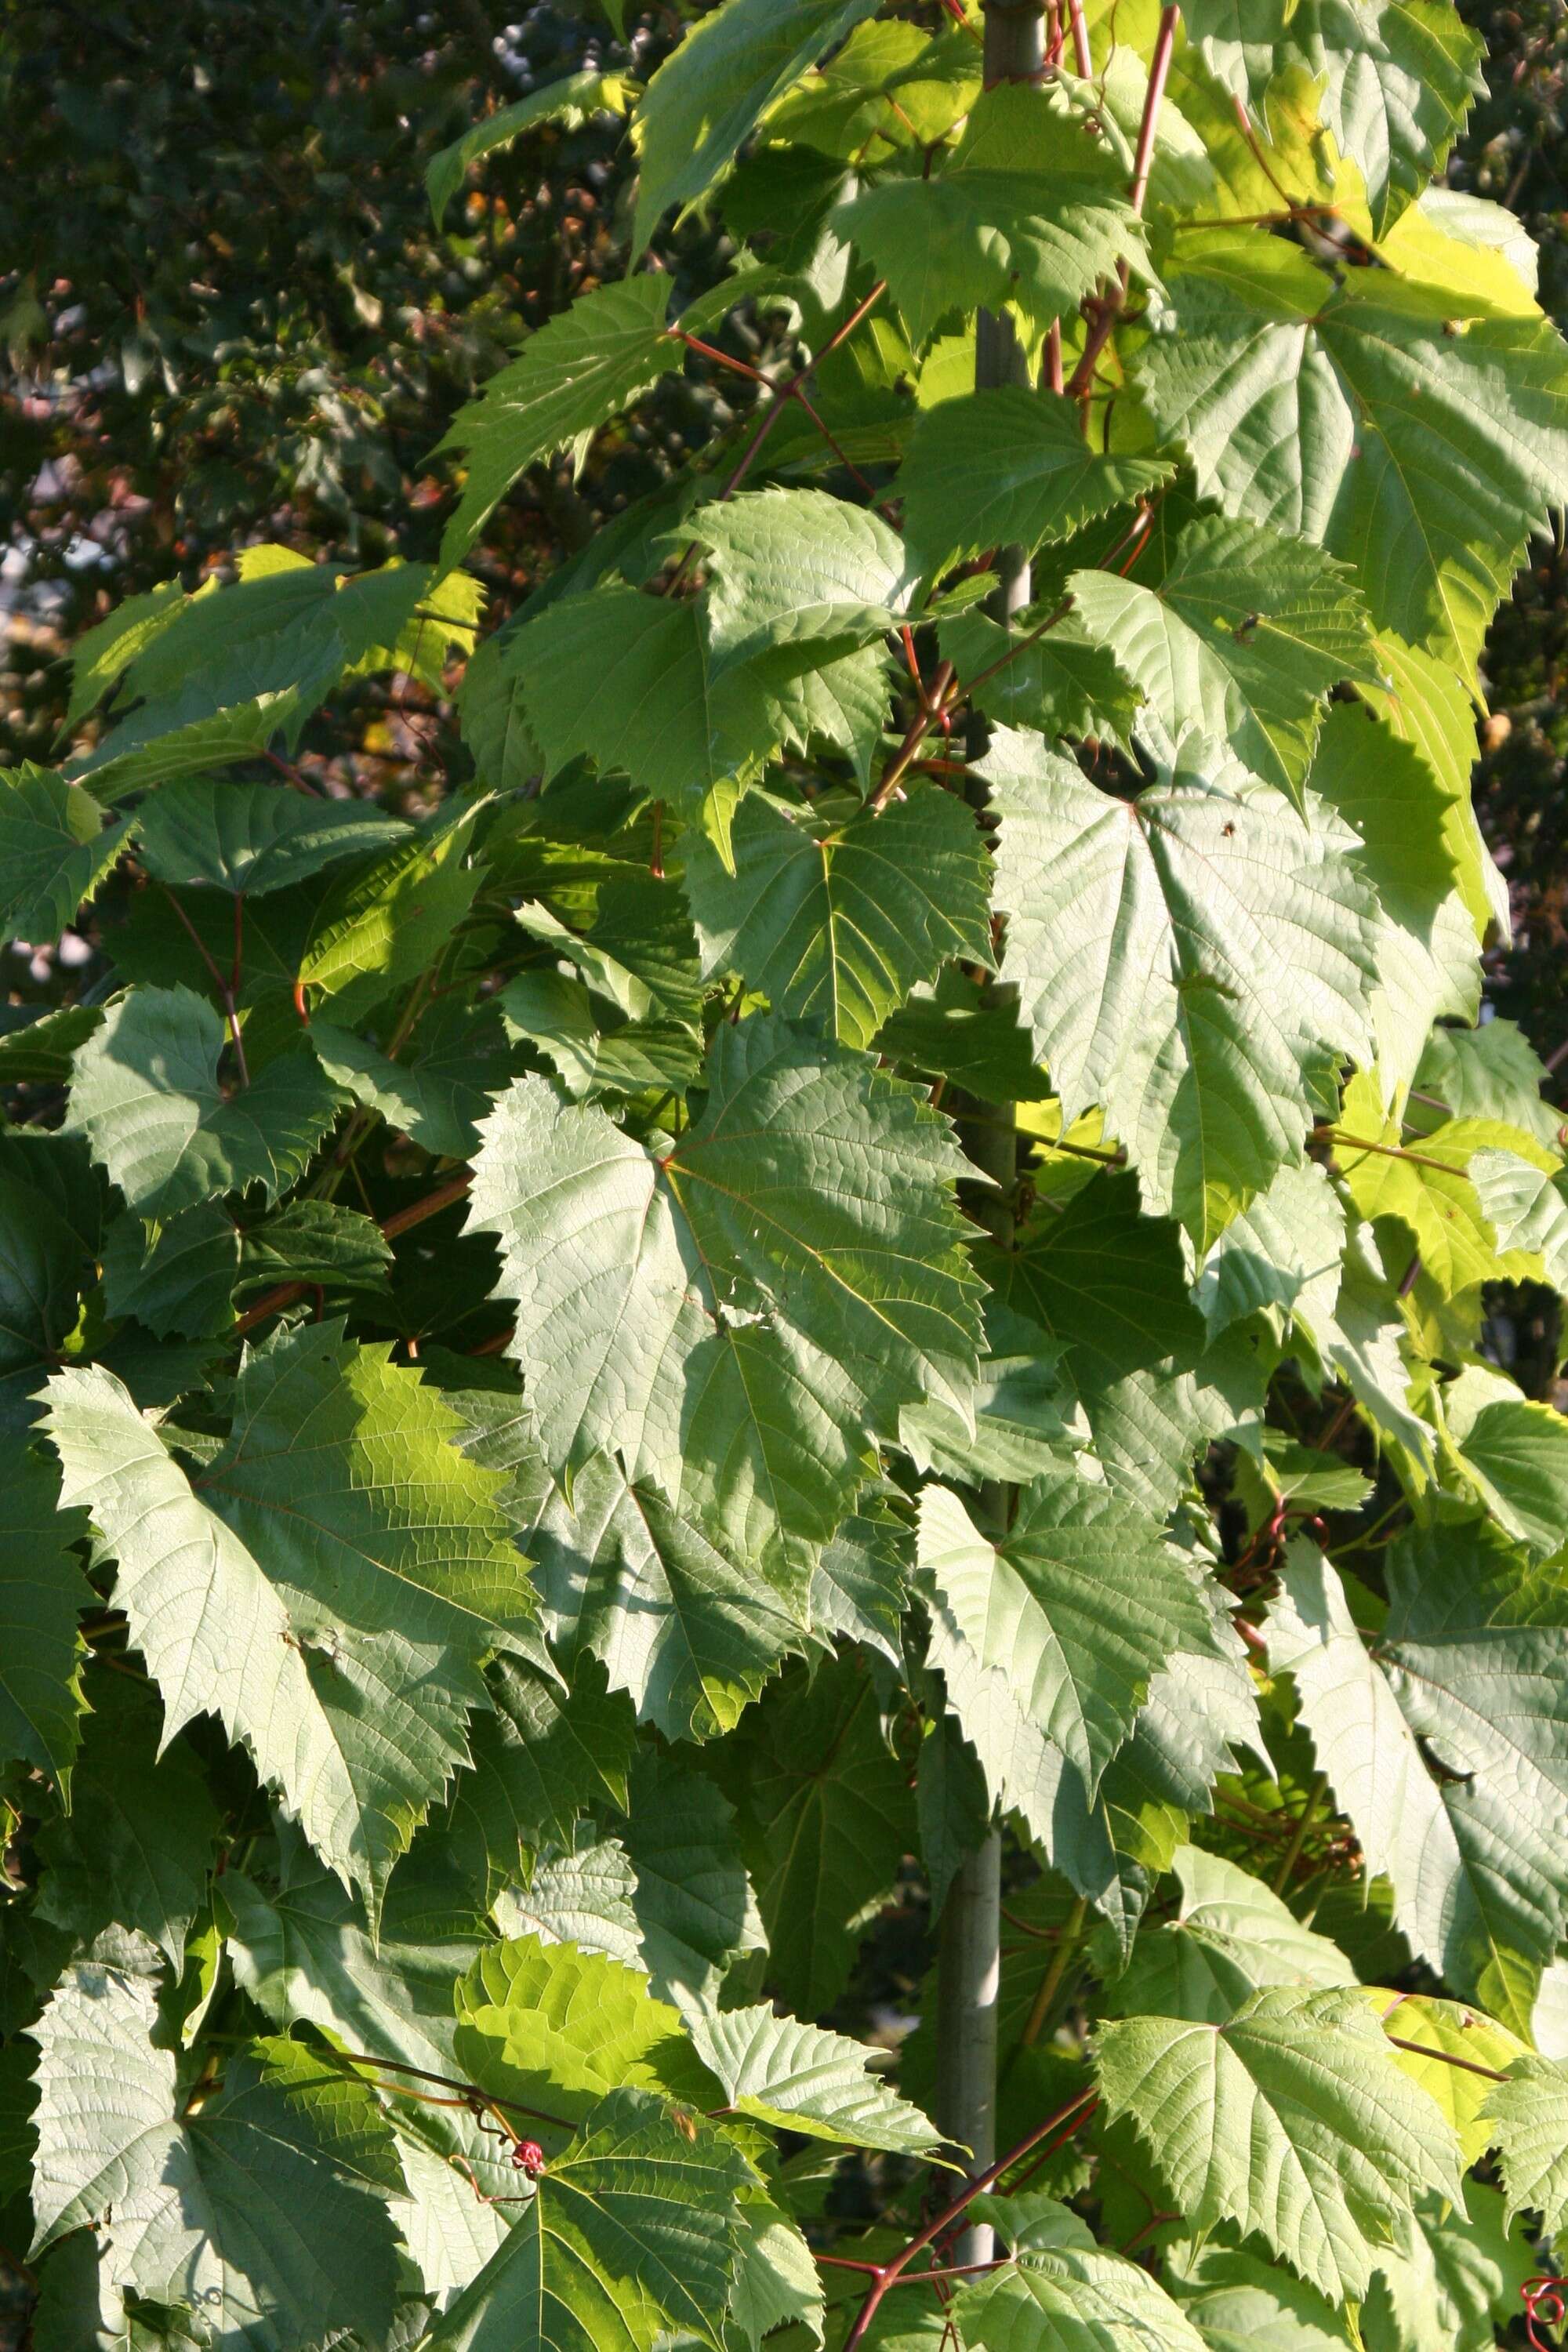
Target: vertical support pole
x=969, y=1947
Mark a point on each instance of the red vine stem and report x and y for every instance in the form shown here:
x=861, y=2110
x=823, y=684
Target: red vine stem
x=1111, y=307
x=1065, y=2122
x=403, y=1221
x=1082, y=58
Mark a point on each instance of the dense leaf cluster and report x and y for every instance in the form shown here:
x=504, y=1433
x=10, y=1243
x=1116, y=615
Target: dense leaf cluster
x=869, y=1239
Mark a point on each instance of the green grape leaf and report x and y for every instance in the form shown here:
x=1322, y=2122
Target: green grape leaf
x=55, y=852
x=253, y=838
x=1239, y=2302
x=1526, y=1208
x=791, y=571
x=389, y=921
x=630, y=2236
x=314, y=1241
x=1291, y=2120
x=139, y=1841
x=175, y=1274
x=691, y=1608
x=1349, y=416
x=1185, y=961
x=800, y=2078
x=1455, y=2279
x=1464, y=1675
x=776, y=2279
x=626, y=678
x=581, y=1897
x=1397, y=81
x=1060, y=683
x=839, y=924
x=42, y=1593
x=829, y=1816
x=1028, y=212
x=540, y=1761
x=1008, y=466
x=233, y=2208
x=1035, y=1609
x=311, y=1596
x=1243, y=638
x=852, y=1290
x=1526, y=2118
x=709, y=96
x=574, y=374
x=1063, y=2295
x=146, y=1094
x=300, y=1947
x=1230, y=1935
x=694, y=1901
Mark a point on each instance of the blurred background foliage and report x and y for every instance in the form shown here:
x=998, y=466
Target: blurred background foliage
x=226, y=315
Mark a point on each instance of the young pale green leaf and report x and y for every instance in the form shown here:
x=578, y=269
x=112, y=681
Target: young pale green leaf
x=628, y=2237
x=1008, y=466
x=800, y=2078
x=839, y=924
x=753, y=1313
x=1453, y=2051
x=146, y=1094
x=234, y=2208
x=710, y=95
x=1185, y=961
x=1029, y=213
x=1035, y=1609
x=890, y=86
x=1397, y=81
x=1422, y=458
x=574, y=373
x=1242, y=639
x=42, y=1594
x=1467, y=1672
x=1526, y=2118
x=557, y=2028
x=1291, y=2120
x=55, y=852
